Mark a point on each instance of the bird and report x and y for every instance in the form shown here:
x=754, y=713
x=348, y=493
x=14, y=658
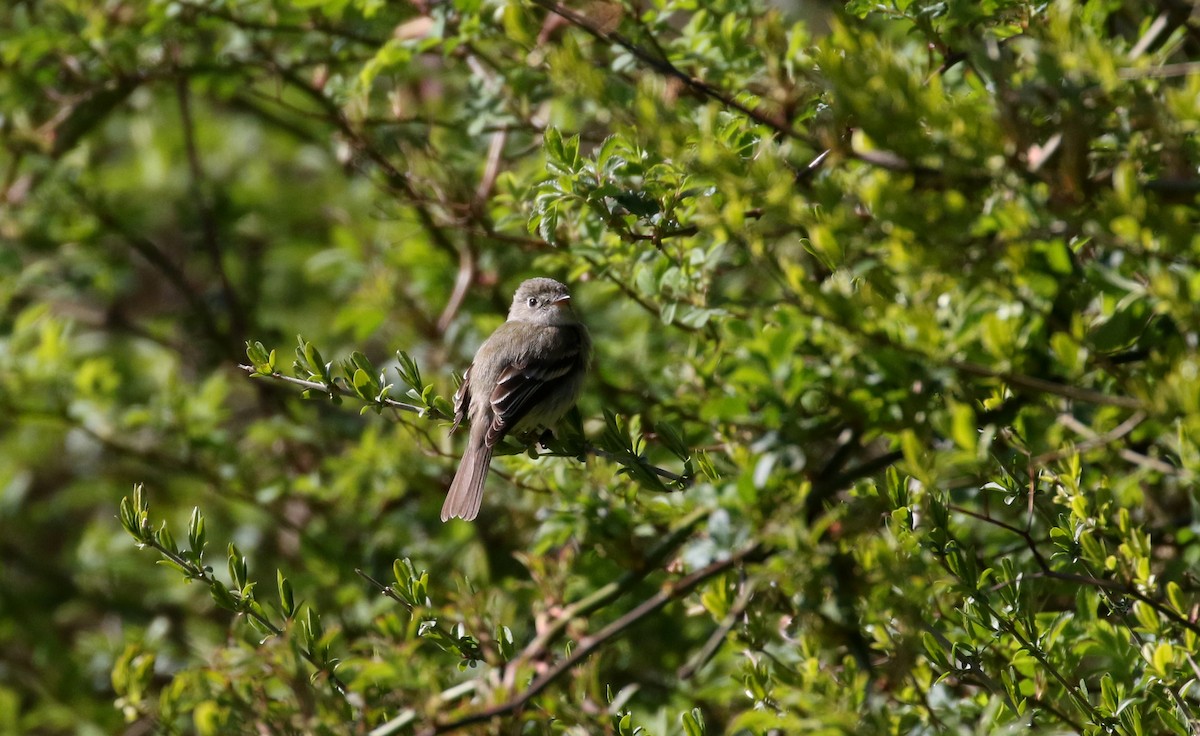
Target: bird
x=523, y=379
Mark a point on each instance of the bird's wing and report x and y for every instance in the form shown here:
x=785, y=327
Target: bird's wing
x=462, y=400
x=523, y=384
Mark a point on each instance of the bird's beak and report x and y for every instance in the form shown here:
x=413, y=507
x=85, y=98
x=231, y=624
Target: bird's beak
x=562, y=301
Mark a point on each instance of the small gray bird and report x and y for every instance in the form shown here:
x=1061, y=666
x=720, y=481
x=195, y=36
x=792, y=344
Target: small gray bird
x=523, y=379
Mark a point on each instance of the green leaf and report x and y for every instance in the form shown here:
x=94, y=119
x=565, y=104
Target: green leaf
x=197, y=537
x=165, y=540
x=409, y=372
x=262, y=361
x=237, y=567
x=312, y=629
x=963, y=426
x=504, y=643
x=552, y=143
x=176, y=567
x=672, y=440
x=222, y=596
x=287, y=599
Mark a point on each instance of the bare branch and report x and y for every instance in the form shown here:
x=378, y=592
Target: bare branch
x=718, y=636
x=1041, y=385
x=590, y=644
x=203, y=203
x=663, y=66
x=155, y=256
x=1095, y=440
x=1022, y=533
x=601, y=597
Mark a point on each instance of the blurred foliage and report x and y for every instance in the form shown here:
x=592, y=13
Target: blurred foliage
x=894, y=425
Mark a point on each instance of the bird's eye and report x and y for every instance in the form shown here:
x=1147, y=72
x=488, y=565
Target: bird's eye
x=533, y=301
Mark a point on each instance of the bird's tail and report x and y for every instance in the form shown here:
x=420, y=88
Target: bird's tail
x=466, y=490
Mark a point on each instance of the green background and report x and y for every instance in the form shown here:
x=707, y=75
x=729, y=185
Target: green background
x=893, y=423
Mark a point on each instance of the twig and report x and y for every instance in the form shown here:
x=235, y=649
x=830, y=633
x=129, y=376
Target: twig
x=1124, y=589
x=1047, y=572
x=336, y=389
x=384, y=590
x=824, y=488
x=606, y=594
x=589, y=644
x=617, y=281
x=1022, y=533
x=396, y=180
x=199, y=573
x=666, y=68
x=154, y=255
x=280, y=28
x=1094, y=440
x=970, y=667
x=1042, y=385
x=1010, y=626
x=388, y=591
x=491, y=169
x=717, y=638
x=812, y=167
x=1153, y=31
x=462, y=284
x=660, y=472
x=203, y=204
x=1125, y=453
x=1020, y=380
x=329, y=388
x=466, y=254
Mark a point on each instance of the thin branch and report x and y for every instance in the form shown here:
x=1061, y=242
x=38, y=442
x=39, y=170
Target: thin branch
x=466, y=254
x=590, y=644
x=462, y=284
x=1153, y=31
x=1124, y=589
x=970, y=667
x=1010, y=626
x=384, y=590
x=388, y=591
x=337, y=389
x=1047, y=572
x=1125, y=453
x=812, y=167
x=197, y=572
x=330, y=389
x=1036, y=651
x=491, y=170
x=682, y=480
x=154, y=255
x=1020, y=380
x=151, y=456
x=1022, y=533
x=280, y=28
x=616, y=280
x=1043, y=386
x=719, y=635
x=606, y=594
x=395, y=180
x=664, y=67
x=203, y=203
x=823, y=489
x=1094, y=440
